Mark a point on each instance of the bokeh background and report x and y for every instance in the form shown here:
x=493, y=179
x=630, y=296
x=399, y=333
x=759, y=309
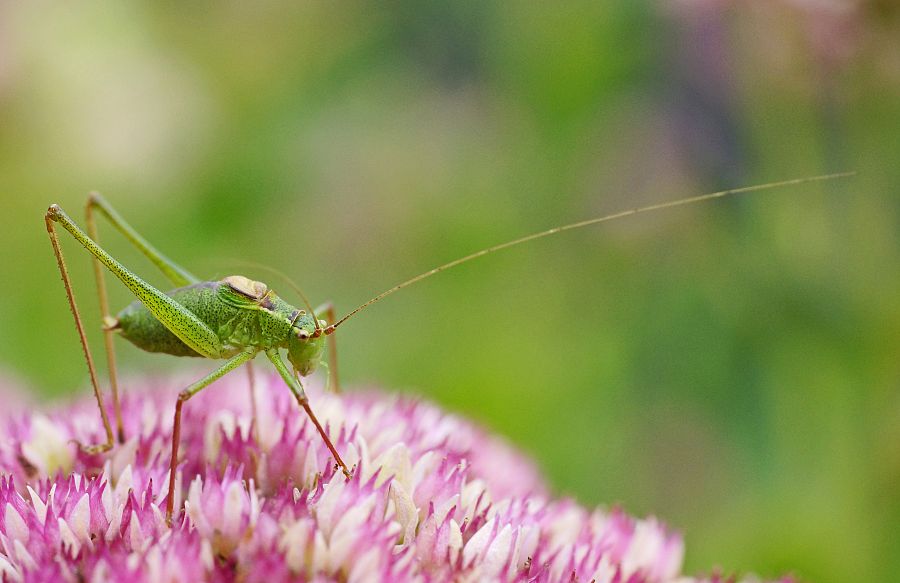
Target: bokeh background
x=731, y=367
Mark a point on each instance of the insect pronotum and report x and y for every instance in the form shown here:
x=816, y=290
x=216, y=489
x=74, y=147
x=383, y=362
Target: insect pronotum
x=236, y=318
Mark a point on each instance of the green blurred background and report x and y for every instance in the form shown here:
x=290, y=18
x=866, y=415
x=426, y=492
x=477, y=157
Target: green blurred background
x=731, y=367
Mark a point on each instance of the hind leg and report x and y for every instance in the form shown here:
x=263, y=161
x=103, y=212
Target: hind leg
x=64, y=272
x=96, y=204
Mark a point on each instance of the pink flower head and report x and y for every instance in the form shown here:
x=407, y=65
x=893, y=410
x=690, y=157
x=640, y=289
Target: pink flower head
x=432, y=498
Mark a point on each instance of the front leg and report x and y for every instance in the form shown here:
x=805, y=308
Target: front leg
x=326, y=310
x=302, y=400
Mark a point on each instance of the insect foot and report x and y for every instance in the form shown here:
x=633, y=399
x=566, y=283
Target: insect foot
x=92, y=449
x=347, y=473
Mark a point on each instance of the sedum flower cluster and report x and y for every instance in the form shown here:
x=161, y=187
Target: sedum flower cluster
x=432, y=497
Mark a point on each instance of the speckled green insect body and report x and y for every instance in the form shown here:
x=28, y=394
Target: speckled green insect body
x=234, y=319
x=237, y=318
x=244, y=314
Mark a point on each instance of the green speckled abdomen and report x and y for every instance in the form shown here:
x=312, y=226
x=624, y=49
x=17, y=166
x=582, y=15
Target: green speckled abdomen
x=137, y=325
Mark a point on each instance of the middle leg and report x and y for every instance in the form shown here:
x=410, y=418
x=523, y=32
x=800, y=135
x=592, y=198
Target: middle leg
x=302, y=400
x=183, y=397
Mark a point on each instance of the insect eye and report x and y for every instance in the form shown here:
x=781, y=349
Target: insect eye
x=302, y=334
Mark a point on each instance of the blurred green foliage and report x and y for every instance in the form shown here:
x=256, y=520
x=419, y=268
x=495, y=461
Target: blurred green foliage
x=731, y=367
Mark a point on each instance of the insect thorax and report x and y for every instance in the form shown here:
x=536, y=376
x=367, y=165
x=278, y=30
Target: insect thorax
x=242, y=312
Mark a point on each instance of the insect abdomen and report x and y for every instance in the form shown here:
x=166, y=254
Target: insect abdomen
x=137, y=325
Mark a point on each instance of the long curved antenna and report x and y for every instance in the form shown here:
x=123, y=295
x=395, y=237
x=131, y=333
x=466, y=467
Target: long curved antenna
x=293, y=286
x=653, y=207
